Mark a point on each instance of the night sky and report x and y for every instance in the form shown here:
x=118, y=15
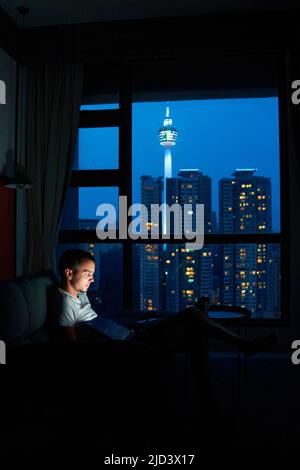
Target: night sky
x=215, y=136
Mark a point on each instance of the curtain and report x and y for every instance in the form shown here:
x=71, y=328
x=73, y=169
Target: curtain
x=52, y=119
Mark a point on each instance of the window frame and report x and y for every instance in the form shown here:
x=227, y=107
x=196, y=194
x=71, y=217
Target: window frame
x=122, y=178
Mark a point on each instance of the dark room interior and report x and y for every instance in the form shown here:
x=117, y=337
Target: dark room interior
x=107, y=106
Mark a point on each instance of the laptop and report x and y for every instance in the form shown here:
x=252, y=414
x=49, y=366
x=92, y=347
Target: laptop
x=110, y=328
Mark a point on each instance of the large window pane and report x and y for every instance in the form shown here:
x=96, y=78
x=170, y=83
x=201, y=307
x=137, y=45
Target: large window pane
x=98, y=149
x=98, y=107
x=170, y=277
x=225, y=156
x=81, y=205
x=248, y=275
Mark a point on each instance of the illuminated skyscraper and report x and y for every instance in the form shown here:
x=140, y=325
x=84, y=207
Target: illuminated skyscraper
x=150, y=266
x=188, y=273
x=245, y=207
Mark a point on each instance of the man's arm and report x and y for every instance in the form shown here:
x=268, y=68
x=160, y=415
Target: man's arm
x=69, y=332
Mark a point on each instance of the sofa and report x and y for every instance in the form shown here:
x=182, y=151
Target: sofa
x=76, y=383
x=24, y=303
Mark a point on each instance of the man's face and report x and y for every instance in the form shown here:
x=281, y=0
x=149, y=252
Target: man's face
x=81, y=279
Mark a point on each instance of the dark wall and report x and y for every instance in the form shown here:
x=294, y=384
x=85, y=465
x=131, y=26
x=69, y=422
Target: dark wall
x=162, y=37
x=7, y=233
x=9, y=34
x=8, y=52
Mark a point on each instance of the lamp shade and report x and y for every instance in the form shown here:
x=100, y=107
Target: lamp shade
x=20, y=180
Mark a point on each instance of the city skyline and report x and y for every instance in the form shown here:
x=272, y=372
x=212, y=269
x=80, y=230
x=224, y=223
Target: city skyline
x=245, y=275
x=246, y=137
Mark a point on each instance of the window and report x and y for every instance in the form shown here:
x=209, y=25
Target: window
x=225, y=154
x=81, y=206
x=100, y=176
x=98, y=149
x=217, y=161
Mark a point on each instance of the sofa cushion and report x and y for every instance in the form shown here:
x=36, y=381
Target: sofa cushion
x=14, y=314
x=39, y=336
x=36, y=290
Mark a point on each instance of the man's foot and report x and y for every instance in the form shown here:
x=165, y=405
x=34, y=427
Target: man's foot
x=261, y=344
x=202, y=304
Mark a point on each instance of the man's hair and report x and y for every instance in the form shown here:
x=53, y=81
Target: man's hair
x=72, y=259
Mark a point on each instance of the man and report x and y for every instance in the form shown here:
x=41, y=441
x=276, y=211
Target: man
x=76, y=269
x=184, y=331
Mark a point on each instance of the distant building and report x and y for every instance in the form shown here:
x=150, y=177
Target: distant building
x=150, y=254
x=189, y=272
x=171, y=276
x=245, y=207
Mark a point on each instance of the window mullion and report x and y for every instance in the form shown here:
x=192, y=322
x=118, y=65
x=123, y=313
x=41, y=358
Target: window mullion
x=125, y=167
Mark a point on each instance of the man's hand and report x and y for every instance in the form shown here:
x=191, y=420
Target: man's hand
x=69, y=332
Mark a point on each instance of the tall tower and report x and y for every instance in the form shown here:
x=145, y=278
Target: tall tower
x=167, y=138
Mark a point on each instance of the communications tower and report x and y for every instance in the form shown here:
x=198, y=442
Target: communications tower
x=167, y=138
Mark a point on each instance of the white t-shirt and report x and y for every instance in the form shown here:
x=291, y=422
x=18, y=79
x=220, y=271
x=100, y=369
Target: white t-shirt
x=74, y=310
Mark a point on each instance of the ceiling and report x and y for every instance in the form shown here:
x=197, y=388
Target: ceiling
x=55, y=12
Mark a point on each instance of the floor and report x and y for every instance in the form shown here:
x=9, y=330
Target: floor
x=256, y=407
